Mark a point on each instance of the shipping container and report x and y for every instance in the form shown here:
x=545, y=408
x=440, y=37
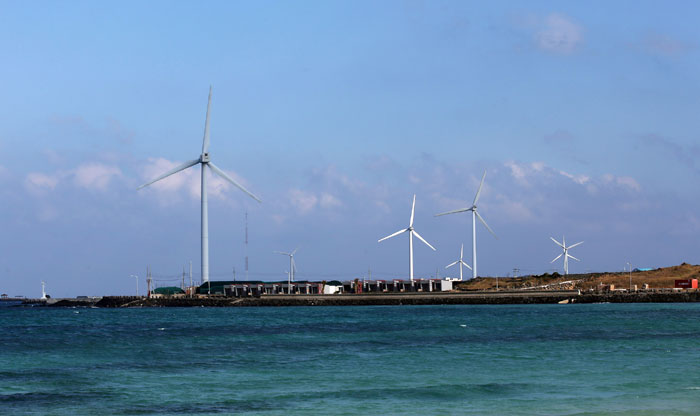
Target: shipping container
x=686, y=284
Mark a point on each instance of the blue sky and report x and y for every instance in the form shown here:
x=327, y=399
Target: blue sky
x=335, y=114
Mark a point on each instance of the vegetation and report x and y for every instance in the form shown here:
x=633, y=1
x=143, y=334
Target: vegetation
x=656, y=279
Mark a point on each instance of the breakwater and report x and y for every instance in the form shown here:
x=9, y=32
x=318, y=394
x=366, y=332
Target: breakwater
x=435, y=298
x=440, y=298
x=652, y=296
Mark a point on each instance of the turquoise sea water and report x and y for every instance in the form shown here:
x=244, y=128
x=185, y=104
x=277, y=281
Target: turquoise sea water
x=616, y=359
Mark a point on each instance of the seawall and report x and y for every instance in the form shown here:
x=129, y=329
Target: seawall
x=440, y=298
x=435, y=298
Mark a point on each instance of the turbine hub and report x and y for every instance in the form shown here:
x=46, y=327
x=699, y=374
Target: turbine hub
x=204, y=158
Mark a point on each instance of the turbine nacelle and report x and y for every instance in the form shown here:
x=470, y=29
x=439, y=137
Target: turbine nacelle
x=204, y=158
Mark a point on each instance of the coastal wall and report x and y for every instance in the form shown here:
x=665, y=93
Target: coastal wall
x=435, y=298
x=640, y=297
x=441, y=298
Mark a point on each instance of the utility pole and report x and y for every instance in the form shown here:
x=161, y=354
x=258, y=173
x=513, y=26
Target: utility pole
x=148, y=279
x=182, y=286
x=629, y=266
x=246, y=245
x=191, y=277
x=137, y=283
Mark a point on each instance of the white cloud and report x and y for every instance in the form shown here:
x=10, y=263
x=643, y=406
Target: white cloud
x=47, y=213
x=95, y=176
x=530, y=174
x=306, y=201
x=329, y=201
x=37, y=182
x=661, y=44
x=579, y=179
x=187, y=181
x=559, y=34
x=303, y=201
x=622, y=181
x=521, y=171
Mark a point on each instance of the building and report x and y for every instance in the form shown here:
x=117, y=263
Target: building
x=259, y=288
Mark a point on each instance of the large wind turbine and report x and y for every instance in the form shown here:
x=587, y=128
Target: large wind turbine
x=292, y=267
x=475, y=215
x=205, y=161
x=566, y=254
x=411, y=232
x=461, y=262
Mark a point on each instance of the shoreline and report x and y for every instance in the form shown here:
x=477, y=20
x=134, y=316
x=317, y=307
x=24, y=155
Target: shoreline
x=397, y=299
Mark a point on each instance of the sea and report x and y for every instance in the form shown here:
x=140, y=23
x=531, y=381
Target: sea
x=595, y=359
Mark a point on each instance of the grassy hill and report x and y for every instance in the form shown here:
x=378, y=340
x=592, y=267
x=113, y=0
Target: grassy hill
x=658, y=278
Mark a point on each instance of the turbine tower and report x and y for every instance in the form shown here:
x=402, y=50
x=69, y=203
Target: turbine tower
x=566, y=254
x=475, y=215
x=411, y=232
x=43, y=290
x=205, y=161
x=292, y=267
x=461, y=262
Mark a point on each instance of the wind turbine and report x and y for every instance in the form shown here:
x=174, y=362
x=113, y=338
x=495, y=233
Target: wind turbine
x=461, y=262
x=292, y=267
x=565, y=253
x=205, y=161
x=411, y=232
x=475, y=215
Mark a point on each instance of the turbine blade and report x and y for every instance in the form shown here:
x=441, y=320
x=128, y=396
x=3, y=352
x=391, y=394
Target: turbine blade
x=295, y=250
x=392, y=235
x=205, y=143
x=558, y=243
x=228, y=178
x=485, y=225
x=468, y=266
x=423, y=240
x=461, y=252
x=452, y=264
x=572, y=257
x=413, y=211
x=557, y=258
x=454, y=212
x=281, y=252
x=579, y=243
x=478, y=192
x=171, y=172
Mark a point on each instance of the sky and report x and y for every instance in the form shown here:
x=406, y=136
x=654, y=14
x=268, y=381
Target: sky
x=335, y=113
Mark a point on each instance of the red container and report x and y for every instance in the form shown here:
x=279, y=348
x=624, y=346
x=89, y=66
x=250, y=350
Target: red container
x=686, y=284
